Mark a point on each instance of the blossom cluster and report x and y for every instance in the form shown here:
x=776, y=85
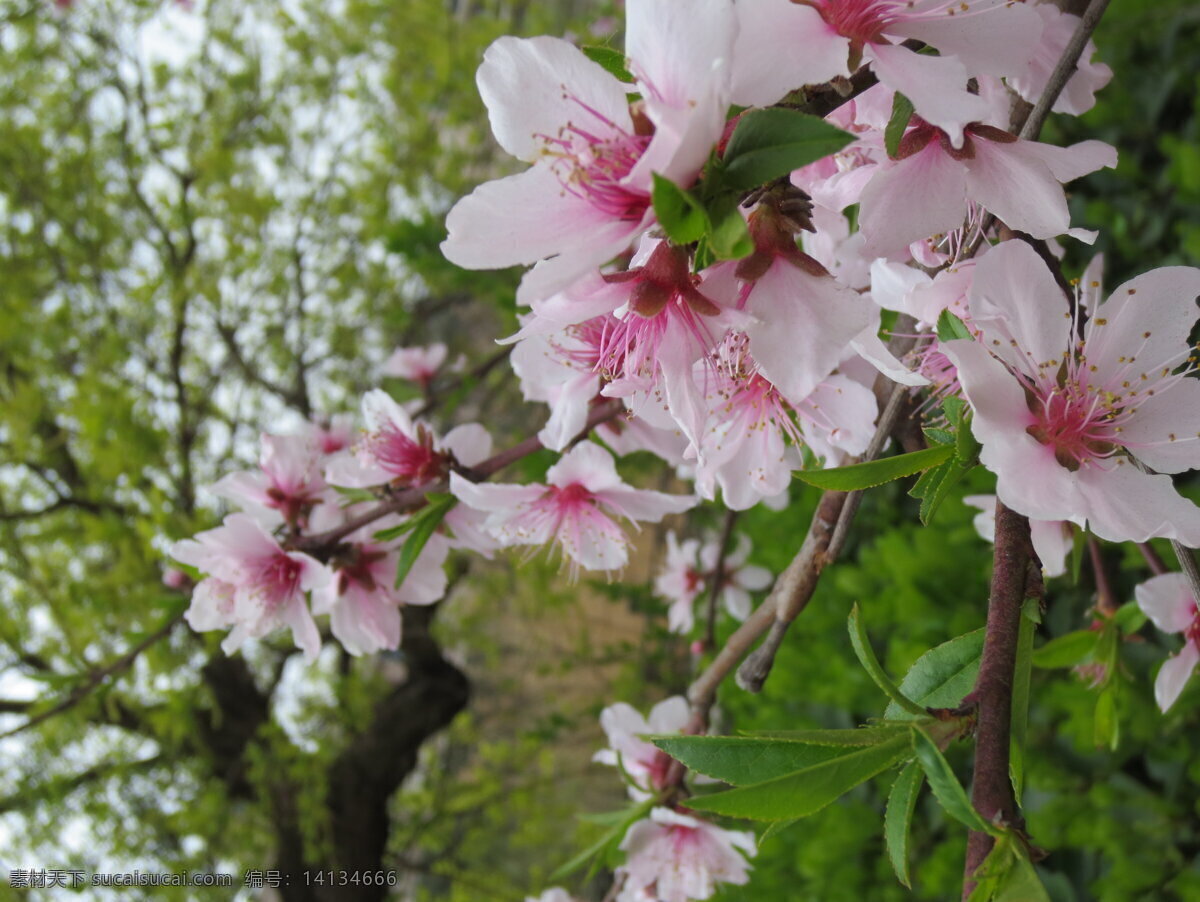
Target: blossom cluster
x=740, y=360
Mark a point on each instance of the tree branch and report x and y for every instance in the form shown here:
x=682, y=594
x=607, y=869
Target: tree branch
x=992, y=790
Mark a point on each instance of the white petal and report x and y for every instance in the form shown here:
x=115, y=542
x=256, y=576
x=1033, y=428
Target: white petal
x=1167, y=600
x=1173, y=676
x=766, y=62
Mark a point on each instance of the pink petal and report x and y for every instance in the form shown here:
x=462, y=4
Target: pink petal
x=1015, y=184
x=1164, y=431
x=1167, y=600
x=534, y=87
x=586, y=464
x=1123, y=504
x=1052, y=540
x=936, y=85
x=991, y=41
x=917, y=197
x=675, y=47
x=766, y=62
x=1173, y=676
x=470, y=443
x=493, y=497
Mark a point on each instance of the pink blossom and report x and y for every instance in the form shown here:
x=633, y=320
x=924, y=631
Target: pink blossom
x=255, y=586
x=396, y=450
x=1167, y=600
x=1079, y=95
x=333, y=433
x=362, y=599
x=288, y=485
x=926, y=189
x=745, y=447
x=680, y=581
x=1052, y=539
x=671, y=857
x=586, y=197
x=554, y=894
x=574, y=511
x=645, y=763
x=418, y=364
x=1066, y=423
x=782, y=46
x=740, y=578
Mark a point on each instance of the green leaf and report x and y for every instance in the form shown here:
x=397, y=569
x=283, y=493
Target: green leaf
x=424, y=524
x=934, y=487
x=1067, y=650
x=942, y=676
x=946, y=788
x=768, y=144
x=902, y=110
x=858, y=736
x=608, y=840
x=897, y=818
x=1007, y=875
x=876, y=472
x=1030, y=617
x=776, y=827
x=950, y=327
x=744, y=761
x=728, y=235
x=1129, y=617
x=809, y=790
x=612, y=60
x=866, y=656
x=678, y=212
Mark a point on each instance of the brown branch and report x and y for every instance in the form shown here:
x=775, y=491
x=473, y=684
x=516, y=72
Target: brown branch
x=992, y=790
x=718, y=578
x=97, y=677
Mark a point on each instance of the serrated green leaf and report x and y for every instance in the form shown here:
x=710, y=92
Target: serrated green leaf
x=897, y=818
x=678, y=212
x=768, y=144
x=939, y=436
x=946, y=788
x=1007, y=875
x=950, y=327
x=861, y=644
x=424, y=524
x=935, y=485
x=858, y=736
x=806, y=791
x=1066, y=650
x=942, y=676
x=745, y=761
x=611, y=59
x=876, y=472
x=902, y=110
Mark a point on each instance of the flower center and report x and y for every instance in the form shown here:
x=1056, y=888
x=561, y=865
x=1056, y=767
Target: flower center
x=862, y=21
x=1075, y=423
x=278, y=579
x=592, y=159
x=571, y=495
x=413, y=461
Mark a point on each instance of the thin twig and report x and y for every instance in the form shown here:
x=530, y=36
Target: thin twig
x=1106, y=599
x=718, y=579
x=1157, y=565
x=96, y=677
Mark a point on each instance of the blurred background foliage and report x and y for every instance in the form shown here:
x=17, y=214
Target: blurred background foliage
x=219, y=220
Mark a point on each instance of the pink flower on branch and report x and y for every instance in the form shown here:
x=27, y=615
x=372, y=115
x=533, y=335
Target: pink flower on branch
x=288, y=484
x=586, y=198
x=418, y=364
x=574, y=511
x=1067, y=424
x=254, y=585
x=1167, y=600
x=671, y=857
x=645, y=763
x=926, y=190
x=783, y=46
